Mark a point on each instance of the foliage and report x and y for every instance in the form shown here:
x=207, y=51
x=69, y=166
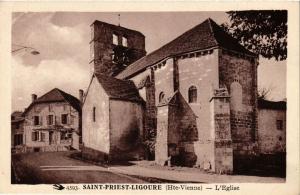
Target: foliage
x=262, y=32
x=264, y=93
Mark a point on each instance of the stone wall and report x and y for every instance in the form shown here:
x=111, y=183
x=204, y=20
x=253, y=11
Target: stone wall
x=161, y=145
x=271, y=138
x=202, y=72
x=223, y=160
x=102, y=47
x=95, y=134
x=126, y=130
x=238, y=73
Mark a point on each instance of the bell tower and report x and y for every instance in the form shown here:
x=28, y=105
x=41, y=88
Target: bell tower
x=113, y=48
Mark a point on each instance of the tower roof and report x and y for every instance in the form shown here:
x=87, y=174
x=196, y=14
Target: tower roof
x=206, y=35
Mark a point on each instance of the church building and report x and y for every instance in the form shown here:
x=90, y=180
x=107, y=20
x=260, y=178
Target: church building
x=192, y=102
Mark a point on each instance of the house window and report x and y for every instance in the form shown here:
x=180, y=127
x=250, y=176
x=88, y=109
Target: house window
x=65, y=135
x=64, y=119
x=161, y=96
x=36, y=120
x=18, y=139
x=17, y=125
x=35, y=136
x=94, y=114
x=124, y=41
x=115, y=39
x=279, y=124
x=50, y=120
x=192, y=94
x=43, y=137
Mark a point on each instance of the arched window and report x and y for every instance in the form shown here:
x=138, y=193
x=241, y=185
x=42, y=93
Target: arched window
x=161, y=96
x=192, y=94
x=236, y=94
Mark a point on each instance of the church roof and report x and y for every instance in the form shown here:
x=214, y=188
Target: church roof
x=206, y=35
x=119, y=89
x=57, y=95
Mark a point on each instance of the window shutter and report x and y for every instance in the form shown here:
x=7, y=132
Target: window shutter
x=47, y=119
x=72, y=120
x=32, y=136
x=41, y=120
x=68, y=119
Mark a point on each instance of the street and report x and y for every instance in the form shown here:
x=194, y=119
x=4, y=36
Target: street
x=67, y=167
x=59, y=167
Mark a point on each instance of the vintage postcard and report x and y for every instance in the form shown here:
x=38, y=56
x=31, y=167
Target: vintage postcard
x=159, y=97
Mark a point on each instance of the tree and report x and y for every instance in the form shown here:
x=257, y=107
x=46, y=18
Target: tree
x=263, y=93
x=262, y=32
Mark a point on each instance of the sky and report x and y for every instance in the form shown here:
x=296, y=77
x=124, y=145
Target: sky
x=62, y=38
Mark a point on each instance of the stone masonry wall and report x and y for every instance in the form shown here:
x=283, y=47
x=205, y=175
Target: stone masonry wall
x=271, y=138
x=126, y=135
x=102, y=46
x=95, y=134
x=222, y=135
x=239, y=73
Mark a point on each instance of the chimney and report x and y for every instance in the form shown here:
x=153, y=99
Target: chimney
x=33, y=97
x=81, y=95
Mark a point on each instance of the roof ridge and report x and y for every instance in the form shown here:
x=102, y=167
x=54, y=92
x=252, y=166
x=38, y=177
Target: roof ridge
x=211, y=30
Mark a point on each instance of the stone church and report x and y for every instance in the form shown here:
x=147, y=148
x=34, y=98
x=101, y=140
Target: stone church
x=193, y=101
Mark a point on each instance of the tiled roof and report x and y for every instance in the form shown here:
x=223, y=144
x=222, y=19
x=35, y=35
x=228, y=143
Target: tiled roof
x=57, y=95
x=206, y=35
x=266, y=104
x=16, y=117
x=119, y=89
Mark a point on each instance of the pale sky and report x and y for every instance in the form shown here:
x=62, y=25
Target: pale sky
x=62, y=38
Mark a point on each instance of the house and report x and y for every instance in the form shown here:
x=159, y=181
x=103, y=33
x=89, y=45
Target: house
x=271, y=126
x=199, y=95
x=17, y=131
x=52, y=122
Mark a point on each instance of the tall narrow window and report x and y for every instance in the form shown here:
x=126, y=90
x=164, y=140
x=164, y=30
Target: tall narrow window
x=161, y=96
x=64, y=119
x=36, y=120
x=50, y=120
x=192, y=94
x=35, y=136
x=115, y=39
x=94, y=114
x=124, y=41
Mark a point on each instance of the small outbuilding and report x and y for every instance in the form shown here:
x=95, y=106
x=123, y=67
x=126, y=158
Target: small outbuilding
x=112, y=120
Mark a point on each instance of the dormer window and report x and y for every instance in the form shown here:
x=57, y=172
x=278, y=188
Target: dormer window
x=115, y=39
x=124, y=41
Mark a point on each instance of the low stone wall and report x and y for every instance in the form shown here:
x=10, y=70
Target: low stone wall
x=54, y=148
x=94, y=155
